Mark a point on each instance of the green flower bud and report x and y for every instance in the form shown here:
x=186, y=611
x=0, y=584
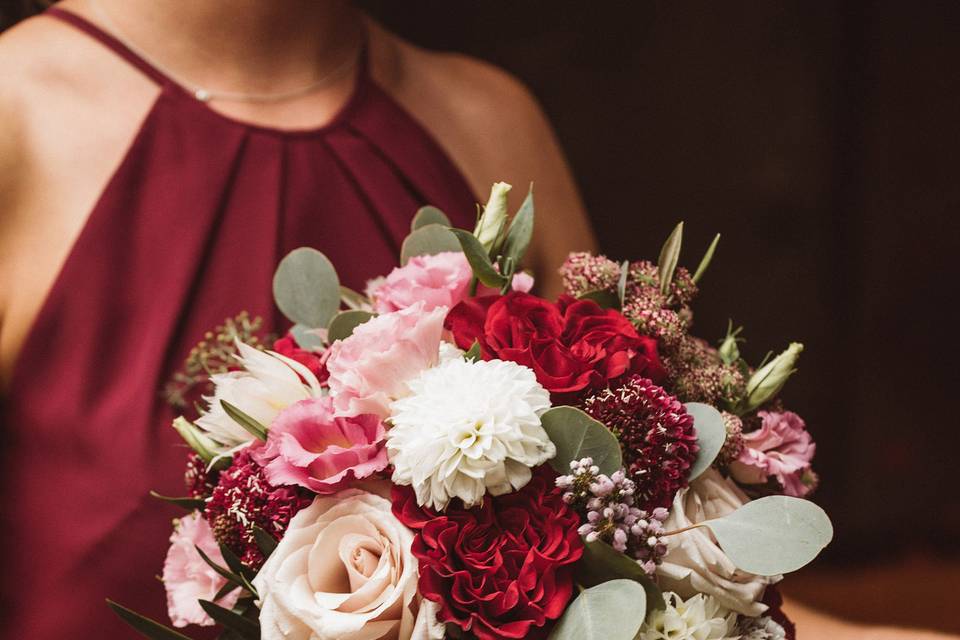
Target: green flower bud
x=767, y=381
x=196, y=439
x=489, y=229
x=729, y=352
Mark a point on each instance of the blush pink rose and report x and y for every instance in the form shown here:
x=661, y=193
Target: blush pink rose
x=781, y=448
x=371, y=368
x=309, y=446
x=440, y=280
x=187, y=578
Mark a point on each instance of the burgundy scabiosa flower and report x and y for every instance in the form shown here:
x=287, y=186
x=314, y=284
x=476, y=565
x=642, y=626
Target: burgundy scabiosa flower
x=199, y=480
x=656, y=434
x=243, y=499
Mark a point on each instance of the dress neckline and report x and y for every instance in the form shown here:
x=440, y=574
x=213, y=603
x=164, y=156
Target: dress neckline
x=172, y=88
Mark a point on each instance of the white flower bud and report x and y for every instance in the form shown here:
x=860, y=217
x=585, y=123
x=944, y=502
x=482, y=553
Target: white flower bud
x=767, y=381
x=494, y=217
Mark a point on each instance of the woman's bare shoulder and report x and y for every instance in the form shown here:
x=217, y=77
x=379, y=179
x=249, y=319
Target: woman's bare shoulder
x=494, y=129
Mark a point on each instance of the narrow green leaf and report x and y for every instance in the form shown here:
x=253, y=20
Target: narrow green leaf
x=428, y=240
x=252, y=426
x=613, y=610
x=145, y=626
x=306, y=287
x=265, y=542
x=622, y=283
x=227, y=588
x=352, y=299
x=195, y=438
x=603, y=297
x=773, y=535
x=669, y=256
x=235, y=565
x=473, y=353
x=188, y=504
x=576, y=435
x=479, y=260
x=306, y=337
x=711, y=434
x=228, y=575
x=521, y=230
x=343, y=324
x=707, y=257
x=601, y=563
x=246, y=627
x=429, y=215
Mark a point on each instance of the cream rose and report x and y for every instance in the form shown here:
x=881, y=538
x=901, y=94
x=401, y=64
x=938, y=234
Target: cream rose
x=343, y=570
x=694, y=563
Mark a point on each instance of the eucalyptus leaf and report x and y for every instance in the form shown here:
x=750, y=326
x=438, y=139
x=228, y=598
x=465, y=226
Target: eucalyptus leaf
x=253, y=427
x=145, y=626
x=669, y=256
x=711, y=434
x=306, y=337
x=428, y=240
x=576, y=435
x=707, y=257
x=622, y=282
x=603, y=297
x=479, y=259
x=601, y=563
x=343, y=324
x=246, y=627
x=306, y=287
x=613, y=610
x=186, y=503
x=352, y=299
x=773, y=535
x=521, y=230
x=265, y=542
x=429, y=215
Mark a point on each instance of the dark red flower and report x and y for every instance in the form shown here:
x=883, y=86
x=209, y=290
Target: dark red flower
x=656, y=435
x=243, y=498
x=288, y=346
x=500, y=570
x=573, y=346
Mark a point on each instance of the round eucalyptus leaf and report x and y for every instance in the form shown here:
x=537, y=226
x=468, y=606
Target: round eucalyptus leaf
x=429, y=215
x=428, y=240
x=711, y=434
x=306, y=287
x=343, y=324
x=576, y=435
x=603, y=297
x=601, y=563
x=613, y=610
x=773, y=535
x=306, y=337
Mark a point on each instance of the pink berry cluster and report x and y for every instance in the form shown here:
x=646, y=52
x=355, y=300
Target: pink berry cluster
x=606, y=503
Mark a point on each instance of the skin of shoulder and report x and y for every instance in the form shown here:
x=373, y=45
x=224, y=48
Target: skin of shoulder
x=494, y=130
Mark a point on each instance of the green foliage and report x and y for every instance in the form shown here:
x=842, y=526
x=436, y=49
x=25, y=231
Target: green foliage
x=705, y=261
x=479, y=259
x=306, y=288
x=521, y=231
x=601, y=563
x=145, y=626
x=576, y=435
x=428, y=240
x=711, y=434
x=429, y=215
x=186, y=503
x=669, y=256
x=343, y=324
x=253, y=427
x=613, y=610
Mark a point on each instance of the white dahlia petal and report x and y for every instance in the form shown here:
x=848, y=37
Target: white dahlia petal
x=699, y=617
x=468, y=428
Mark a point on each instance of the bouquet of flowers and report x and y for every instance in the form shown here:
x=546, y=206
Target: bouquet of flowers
x=448, y=455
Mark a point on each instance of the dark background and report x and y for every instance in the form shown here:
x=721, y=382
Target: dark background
x=821, y=139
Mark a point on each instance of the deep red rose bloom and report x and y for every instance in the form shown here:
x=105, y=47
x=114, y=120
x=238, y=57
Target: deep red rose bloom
x=500, y=570
x=288, y=346
x=574, y=346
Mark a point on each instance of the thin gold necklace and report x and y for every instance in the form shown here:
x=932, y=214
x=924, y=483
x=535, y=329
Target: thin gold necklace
x=206, y=95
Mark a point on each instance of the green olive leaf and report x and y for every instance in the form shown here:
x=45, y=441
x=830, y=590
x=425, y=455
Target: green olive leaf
x=669, y=256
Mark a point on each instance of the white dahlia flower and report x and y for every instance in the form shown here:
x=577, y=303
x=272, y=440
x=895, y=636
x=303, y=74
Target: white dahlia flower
x=762, y=628
x=699, y=617
x=468, y=428
x=268, y=384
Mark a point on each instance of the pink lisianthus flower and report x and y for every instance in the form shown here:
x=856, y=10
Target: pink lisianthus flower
x=440, y=280
x=371, y=368
x=781, y=448
x=187, y=578
x=310, y=447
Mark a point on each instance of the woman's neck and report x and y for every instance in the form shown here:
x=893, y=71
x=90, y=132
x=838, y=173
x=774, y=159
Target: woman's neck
x=237, y=45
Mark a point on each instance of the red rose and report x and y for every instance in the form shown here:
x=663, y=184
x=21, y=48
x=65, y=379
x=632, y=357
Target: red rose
x=500, y=570
x=288, y=346
x=574, y=346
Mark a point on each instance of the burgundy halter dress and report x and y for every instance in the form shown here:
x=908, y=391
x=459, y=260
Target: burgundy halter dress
x=187, y=232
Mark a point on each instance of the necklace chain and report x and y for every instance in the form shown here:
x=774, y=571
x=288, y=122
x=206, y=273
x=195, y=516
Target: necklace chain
x=206, y=95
